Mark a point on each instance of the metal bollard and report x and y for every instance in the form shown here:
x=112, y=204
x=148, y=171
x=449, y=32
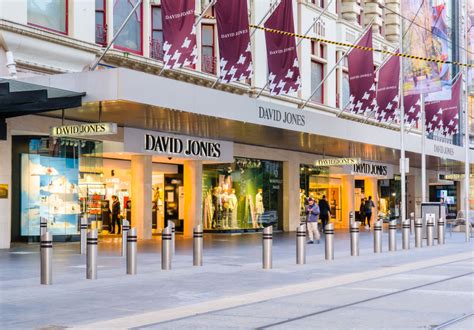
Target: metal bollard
x=46, y=247
x=418, y=229
x=166, y=238
x=441, y=231
x=92, y=241
x=197, y=245
x=351, y=217
x=131, y=251
x=429, y=232
x=354, y=230
x=173, y=232
x=43, y=226
x=83, y=235
x=412, y=222
x=267, y=238
x=406, y=234
x=301, y=245
x=392, y=235
x=329, y=241
x=378, y=236
x=125, y=229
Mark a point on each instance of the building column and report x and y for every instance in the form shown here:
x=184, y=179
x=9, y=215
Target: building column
x=6, y=179
x=142, y=195
x=373, y=13
x=291, y=194
x=350, y=10
x=371, y=189
x=192, y=195
x=348, y=196
x=392, y=20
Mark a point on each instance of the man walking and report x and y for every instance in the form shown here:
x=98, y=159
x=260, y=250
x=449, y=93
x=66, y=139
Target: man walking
x=115, y=214
x=312, y=213
x=325, y=210
x=369, y=205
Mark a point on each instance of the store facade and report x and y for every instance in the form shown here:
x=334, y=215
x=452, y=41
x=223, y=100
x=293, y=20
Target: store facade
x=230, y=162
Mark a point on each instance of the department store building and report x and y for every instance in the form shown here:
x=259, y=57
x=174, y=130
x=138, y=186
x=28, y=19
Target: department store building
x=174, y=146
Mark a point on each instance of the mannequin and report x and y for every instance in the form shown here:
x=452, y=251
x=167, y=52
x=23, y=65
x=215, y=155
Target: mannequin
x=226, y=210
x=232, y=202
x=259, y=209
x=302, y=202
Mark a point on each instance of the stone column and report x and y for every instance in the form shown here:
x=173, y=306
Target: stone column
x=6, y=179
x=348, y=196
x=192, y=195
x=350, y=9
x=142, y=195
x=373, y=13
x=371, y=189
x=291, y=194
x=392, y=20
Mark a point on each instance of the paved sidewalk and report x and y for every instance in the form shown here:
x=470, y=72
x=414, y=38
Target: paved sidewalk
x=232, y=267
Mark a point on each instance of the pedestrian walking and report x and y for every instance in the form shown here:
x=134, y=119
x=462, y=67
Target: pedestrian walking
x=369, y=205
x=362, y=212
x=115, y=214
x=325, y=211
x=312, y=213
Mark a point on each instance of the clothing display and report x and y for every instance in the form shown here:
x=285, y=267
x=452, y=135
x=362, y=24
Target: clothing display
x=259, y=209
x=233, y=203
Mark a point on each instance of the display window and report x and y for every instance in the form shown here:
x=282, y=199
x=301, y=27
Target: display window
x=244, y=195
x=389, y=192
x=447, y=194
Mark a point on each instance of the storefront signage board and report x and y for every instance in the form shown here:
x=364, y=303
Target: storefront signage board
x=337, y=161
x=180, y=146
x=91, y=129
x=373, y=169
x=454, y=177
x=272, y=115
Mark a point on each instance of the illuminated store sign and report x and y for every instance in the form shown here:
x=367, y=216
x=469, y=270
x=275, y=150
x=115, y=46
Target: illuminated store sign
x=285, y=117
x=84, y=129
x=373, y=169
x=337, y=161
x=172, y=145
x=454, y=177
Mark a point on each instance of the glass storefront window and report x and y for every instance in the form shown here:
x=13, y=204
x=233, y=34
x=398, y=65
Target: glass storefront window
x=130, y=39
x=389, y=198
x=246, y=194
x=48, y=14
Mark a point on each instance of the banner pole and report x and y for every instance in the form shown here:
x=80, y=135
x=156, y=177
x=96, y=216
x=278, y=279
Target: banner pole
x=96, y=63
x=466, y=128
x=423, y=150
x=402, y=132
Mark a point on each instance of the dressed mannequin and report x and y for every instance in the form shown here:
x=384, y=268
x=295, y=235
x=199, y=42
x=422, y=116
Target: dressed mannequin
x=259, y=209
x=302, y=202
x=232, y=204
x=226, y=210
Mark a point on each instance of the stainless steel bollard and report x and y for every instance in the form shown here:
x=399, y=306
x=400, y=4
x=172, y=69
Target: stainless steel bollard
x=43, y=226
x=418, y=229
x=301, y=245
x=197, y=245
x=429, y=232
x=83, y=234
x=131, y=251
x=354, y=231
x=267, y=240
x=351, y=217
x=166, y=238
x=406, y=234
x=329, y=241
x=46, y=247
x=392, y=235
x=92, y=242
x=173, y=236
x=125, y=229
x=378, y=236
x=412, y=223
x=441, y=231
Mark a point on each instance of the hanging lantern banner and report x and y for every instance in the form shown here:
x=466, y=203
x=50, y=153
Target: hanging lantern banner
x=388, y=90
x=443, y=116
x=412, y=106
x=179, y=33
x=283, y=69
x=451, y=111
x=361, y=77
x=234, y=40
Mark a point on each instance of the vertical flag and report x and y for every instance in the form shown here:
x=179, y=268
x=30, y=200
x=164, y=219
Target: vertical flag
x=179, y=33
x=442, y=116
x=234, y=40
x=388, y=90
x=412, y=106
x=361, y=76
x=283, y=69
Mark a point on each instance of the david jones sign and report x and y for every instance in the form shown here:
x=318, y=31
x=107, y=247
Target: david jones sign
x=370, y=169
x=84, y=129
x=177, y=146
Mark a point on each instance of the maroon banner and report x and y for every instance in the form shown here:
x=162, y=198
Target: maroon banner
x=179, y=33
x=451, y=111
x=361, y=77
x=412, y=107
x=234, y=40
x=388, y=90
x=443, y=116
x=283, y=70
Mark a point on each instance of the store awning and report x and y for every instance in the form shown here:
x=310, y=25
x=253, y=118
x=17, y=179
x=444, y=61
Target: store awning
x=19, y=98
